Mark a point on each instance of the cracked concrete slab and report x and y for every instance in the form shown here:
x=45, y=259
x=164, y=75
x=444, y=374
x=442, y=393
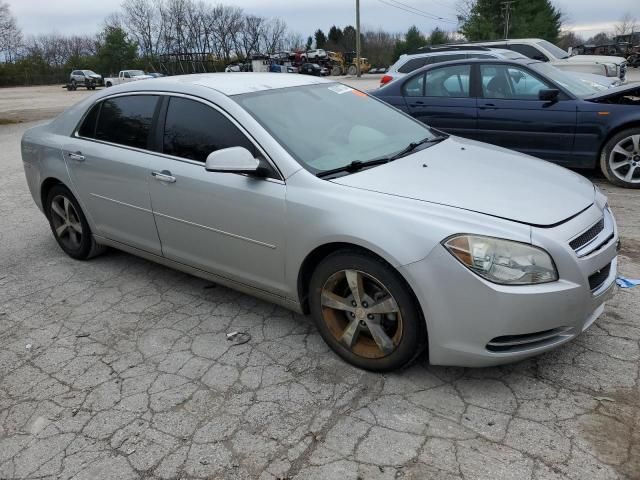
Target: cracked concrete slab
x=119, y=368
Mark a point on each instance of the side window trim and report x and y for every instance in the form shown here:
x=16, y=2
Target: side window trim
x=162, y=117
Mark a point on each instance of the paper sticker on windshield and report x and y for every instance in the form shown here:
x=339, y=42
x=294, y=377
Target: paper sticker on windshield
x=340, y=89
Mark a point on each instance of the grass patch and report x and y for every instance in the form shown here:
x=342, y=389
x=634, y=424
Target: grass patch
x=9, y=121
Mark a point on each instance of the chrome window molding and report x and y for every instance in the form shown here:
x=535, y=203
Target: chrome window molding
x=172, y=157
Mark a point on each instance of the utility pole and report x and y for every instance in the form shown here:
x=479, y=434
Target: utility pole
x=358, y=38
x=506, y=10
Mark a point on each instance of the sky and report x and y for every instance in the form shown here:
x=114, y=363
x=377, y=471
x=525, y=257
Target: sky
x=585, y=17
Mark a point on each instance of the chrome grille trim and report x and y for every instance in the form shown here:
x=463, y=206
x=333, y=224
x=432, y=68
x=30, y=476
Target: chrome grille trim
x=594, y=237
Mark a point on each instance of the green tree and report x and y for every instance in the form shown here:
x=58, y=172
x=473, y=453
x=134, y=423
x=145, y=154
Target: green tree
x=321, y=39
x=309, y=43
x=533, y=18
x=115, y=51
x=349, y=39
x=438, y=37
x=413, y=40
x=335, y=35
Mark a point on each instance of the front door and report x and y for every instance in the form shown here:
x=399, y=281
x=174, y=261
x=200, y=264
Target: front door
x=228, y=224
x=511, y=115
x=441, y=99
x=109, y=165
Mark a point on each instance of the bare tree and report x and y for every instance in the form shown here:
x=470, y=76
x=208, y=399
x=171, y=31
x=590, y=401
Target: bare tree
x=273, y=35
x=378, y=46
x=10, y=35
x=626, y=25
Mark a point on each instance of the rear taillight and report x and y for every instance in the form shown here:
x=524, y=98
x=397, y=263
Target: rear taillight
x=386, y=79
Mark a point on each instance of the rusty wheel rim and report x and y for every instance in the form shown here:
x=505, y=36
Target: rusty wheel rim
x=361, y=314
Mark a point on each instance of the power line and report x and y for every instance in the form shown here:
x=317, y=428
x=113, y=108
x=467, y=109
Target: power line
x=420, y=13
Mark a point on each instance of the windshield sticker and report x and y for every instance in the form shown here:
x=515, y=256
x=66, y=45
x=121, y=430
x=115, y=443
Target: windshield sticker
x=340, y=89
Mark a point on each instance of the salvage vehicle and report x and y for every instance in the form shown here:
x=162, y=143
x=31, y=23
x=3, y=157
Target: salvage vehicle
x=84, y=78
x=395, y=237
x=529, y=106
x=126, y=76
x=539, y=49
x=314, y=69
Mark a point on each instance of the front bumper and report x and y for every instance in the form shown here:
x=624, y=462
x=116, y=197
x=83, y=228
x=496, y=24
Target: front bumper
x=475, y=323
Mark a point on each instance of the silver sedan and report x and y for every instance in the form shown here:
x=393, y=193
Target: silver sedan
x=396, y=238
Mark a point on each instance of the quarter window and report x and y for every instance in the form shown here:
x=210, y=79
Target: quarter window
x=415, y=86
x=528, y=51
x=88, y=127
x=193, y=130
x=127, y=120
x=451, y=81
x=413, y=64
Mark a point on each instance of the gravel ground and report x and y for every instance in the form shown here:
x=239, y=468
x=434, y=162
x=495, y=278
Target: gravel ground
x=118, y=368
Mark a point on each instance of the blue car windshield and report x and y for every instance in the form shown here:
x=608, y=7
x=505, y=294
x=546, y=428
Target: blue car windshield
x=566, y=80
x=329, y=125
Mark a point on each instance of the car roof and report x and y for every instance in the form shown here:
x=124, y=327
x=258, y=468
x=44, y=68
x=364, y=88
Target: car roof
x=241, y=82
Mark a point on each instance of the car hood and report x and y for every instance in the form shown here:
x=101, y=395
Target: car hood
x=482, y=178
x=632, y=89
x=596, y=59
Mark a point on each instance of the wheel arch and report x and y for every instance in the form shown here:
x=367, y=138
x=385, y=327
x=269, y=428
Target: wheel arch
x=613, y=132
x=45, y=188
x=313, y=259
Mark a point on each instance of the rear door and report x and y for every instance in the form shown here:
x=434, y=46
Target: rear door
x=511, y=115
x=108, y=159
x=441, y=98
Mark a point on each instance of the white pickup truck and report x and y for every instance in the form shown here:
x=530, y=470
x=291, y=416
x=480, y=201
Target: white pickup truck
x=539, y=49
x=126, y=76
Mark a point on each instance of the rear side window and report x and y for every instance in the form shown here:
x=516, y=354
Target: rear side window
x=193, y=130
x=413, y=64
x=528, y=51
x=127, y=120
x=88, y=127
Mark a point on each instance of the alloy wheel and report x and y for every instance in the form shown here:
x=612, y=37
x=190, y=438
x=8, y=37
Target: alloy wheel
x=624, y=159
x=361, y=314
x=66, y=222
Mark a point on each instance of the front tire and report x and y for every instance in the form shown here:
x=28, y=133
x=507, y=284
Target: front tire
x=69, y=225
x=365, y=312
x=620, y=159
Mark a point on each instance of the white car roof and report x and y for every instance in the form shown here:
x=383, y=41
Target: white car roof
x=244, y=82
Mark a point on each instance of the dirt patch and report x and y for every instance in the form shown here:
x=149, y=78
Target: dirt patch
x=9, y=121
x=630, y=248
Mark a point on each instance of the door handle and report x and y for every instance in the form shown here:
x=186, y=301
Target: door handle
x=488, y=106
x=164, y=176
x=416, y=103
x=77, y=156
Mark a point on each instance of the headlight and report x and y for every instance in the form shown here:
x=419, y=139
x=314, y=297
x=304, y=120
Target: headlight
x=611, y=69
x=503, y=261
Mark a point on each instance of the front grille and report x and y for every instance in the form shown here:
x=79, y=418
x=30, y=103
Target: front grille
x=581, y=240
x=515, y=343
x=596, y=279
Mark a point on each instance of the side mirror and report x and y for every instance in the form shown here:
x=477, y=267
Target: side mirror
x=549, y=94
x=232, y=160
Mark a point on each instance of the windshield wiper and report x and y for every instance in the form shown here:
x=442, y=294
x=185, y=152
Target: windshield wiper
x=413, y=145
x=353, y=167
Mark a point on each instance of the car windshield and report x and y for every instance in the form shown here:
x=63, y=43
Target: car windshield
x=136, y=73
x=89, y=72
x=330, y=125
x=569, y=81
x=555, y=51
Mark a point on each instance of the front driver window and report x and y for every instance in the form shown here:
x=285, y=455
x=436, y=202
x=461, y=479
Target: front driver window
x=504, y=81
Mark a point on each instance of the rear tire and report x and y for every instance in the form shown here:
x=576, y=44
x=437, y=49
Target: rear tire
x=376, y=324
x=69, y=225
x=620, y=158
x=352, y=70
x=108, y=84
